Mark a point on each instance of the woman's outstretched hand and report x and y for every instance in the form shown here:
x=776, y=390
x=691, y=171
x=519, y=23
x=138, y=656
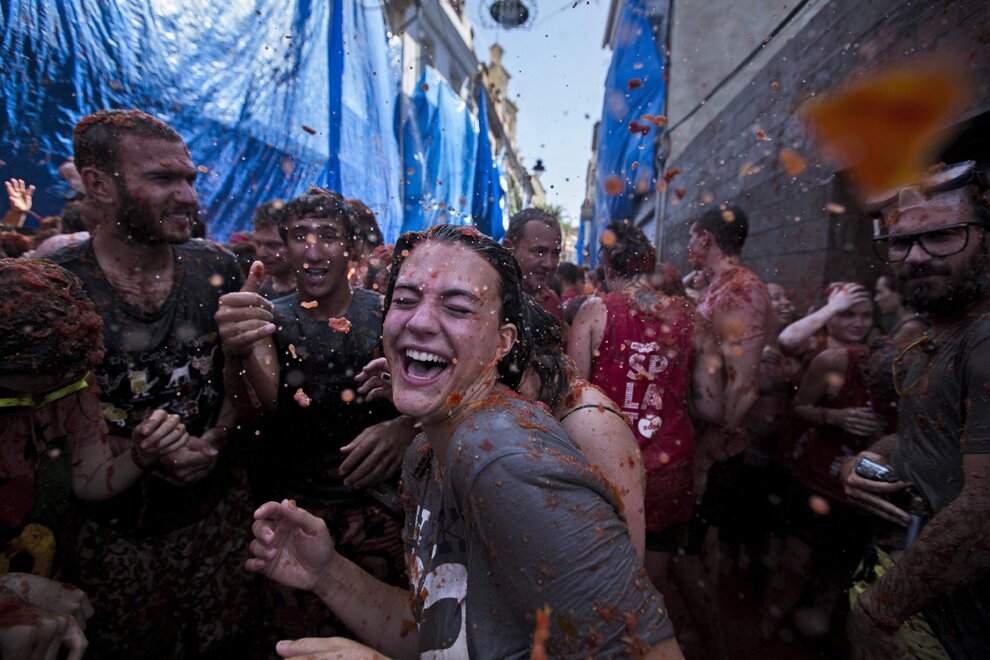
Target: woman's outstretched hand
x=291, y=546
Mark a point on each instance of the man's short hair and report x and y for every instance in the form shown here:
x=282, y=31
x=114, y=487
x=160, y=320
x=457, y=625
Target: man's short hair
x=367, y=229
x=319, y=203
x=627, y=250
x=518, y=222
x=568, y=273
x=728, y=224
x=72, y=218
x=268, y=215
x=96, y=140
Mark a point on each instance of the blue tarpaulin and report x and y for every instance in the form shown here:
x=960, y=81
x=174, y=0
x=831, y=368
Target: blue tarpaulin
x=440, y=145
x=369, y=148
x=264, y=92
x=487, y=208
x=634, y=87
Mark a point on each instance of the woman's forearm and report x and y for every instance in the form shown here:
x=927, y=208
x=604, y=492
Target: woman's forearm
x=379, y=614
x=794, y=336
x=814, y=414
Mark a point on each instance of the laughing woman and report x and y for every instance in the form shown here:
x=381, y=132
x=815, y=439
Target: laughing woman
x=504, y=515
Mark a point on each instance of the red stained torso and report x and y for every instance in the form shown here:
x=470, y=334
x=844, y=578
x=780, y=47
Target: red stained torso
x=737, y=304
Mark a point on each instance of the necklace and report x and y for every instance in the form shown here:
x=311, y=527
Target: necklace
x=929, y=345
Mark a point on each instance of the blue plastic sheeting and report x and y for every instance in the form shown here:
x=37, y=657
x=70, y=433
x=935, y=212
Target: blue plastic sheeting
x=487, y=208
x=369, y=149
x=634, y=86
x=439, y=146
x=238, y=80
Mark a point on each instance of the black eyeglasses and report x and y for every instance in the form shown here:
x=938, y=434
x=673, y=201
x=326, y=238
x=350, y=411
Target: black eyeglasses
x=942, y=242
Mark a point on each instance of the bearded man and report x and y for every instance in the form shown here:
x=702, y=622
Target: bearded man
x=934, y=236
x=161, y=560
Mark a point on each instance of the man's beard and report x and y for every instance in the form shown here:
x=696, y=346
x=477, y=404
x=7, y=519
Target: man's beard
x=965, y=287
x=140, y=223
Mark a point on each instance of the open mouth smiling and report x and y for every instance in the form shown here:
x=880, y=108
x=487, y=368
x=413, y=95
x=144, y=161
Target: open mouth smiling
x=316, y=272
x=422, y=365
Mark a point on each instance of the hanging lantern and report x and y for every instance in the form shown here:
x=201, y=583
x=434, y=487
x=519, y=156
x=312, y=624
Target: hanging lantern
x=510, y=14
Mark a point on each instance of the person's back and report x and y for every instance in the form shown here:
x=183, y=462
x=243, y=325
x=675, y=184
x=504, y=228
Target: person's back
x=644, y=364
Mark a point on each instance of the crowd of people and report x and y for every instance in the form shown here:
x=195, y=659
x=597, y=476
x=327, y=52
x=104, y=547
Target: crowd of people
x=310, y=443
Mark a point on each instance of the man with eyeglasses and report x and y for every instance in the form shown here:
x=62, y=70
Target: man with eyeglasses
x=934, y=236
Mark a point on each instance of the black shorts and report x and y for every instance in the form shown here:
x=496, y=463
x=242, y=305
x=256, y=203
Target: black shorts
x=720, y=493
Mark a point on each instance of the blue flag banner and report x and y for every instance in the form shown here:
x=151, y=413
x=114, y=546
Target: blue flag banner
x=634, y=94
x=270, y=96
x=439, y=148
x=487, y=207
x=368, y=153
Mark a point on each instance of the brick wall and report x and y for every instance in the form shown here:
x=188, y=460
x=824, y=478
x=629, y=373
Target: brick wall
x=794, y=240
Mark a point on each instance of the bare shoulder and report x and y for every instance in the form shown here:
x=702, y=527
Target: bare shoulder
x=831, y=359
x=585, y=399
x=584, y=393
x=594, y=304
x=592, y=313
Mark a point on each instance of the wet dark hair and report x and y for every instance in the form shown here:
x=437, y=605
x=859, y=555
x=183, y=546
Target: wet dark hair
x=72, y=219
x=510, y=367
x=568, y=273
x=518, y=222
x=318, y=203
x=96, y=139
x=728, y=224
x=366, y=226
x=546, y=357
x=268, y=214
x=47, y=323
x=627, y=250
x=14, y=243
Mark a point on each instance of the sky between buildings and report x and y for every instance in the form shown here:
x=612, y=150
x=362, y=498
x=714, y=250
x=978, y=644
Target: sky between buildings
x=558, y=71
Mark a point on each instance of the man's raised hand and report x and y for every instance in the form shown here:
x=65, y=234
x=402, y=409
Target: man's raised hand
x=244, y=318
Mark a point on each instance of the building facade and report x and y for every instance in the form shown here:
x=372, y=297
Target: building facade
x=438, y=33
x=738, y=71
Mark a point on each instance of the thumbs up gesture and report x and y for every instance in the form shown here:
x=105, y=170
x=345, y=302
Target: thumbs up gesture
x=244, y=317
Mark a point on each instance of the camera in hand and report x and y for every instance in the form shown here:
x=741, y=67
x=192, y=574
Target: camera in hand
x=875, y=472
